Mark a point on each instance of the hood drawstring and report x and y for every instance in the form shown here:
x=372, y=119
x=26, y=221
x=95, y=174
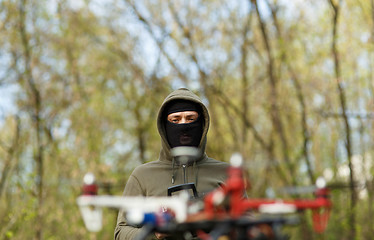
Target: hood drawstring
x=184, y=166
x=196, y=171
x=173, y=172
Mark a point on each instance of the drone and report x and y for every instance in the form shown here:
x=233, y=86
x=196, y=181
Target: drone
x=223, y=212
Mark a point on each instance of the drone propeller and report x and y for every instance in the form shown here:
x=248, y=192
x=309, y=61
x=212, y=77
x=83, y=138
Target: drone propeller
x=343, y=185
x=296, y=190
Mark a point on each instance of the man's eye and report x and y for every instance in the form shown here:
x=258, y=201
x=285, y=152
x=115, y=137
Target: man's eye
x=174, y=120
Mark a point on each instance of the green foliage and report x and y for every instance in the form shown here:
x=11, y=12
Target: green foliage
x=89, y=77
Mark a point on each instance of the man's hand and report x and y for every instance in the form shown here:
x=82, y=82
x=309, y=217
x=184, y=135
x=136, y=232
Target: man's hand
x=160, y=235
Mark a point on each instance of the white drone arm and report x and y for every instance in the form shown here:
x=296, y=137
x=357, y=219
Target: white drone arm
x=90, y=207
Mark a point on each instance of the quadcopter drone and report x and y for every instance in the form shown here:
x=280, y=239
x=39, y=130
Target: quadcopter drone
x=222, y=212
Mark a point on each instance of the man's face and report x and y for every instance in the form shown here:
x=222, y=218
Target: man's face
x=184, y=128
x=183, y=117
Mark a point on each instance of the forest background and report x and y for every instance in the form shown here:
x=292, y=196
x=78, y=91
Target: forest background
x=289, y=85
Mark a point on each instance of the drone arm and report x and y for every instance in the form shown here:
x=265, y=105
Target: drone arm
x=151, y=204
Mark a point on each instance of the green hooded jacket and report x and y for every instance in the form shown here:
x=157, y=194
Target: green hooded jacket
x=154, y=178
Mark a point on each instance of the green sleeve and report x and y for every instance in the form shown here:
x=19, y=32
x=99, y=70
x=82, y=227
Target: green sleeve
x=123, y=230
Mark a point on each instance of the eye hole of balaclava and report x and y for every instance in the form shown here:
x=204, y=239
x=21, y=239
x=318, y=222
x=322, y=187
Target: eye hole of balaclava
x=183, y=134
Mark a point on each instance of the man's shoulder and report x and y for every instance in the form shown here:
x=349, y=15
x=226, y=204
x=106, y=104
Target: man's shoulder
x=214, y=162
x=149, y=166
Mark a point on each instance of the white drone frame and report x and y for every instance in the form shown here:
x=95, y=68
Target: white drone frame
x=91, y=208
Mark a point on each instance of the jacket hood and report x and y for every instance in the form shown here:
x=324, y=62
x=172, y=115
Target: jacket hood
x=182, y=94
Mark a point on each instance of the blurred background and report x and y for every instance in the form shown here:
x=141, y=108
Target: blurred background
x=289, y=85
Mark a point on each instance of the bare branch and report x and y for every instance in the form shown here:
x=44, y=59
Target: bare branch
x=11, y=151
x=274, y=110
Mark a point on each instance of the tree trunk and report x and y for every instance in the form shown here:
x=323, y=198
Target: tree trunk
x=36, y=118
x=347, y=127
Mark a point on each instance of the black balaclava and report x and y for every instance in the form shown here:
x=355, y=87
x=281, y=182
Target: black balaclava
x=184, y=134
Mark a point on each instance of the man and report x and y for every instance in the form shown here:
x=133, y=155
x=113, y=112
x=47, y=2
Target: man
x=183, y=120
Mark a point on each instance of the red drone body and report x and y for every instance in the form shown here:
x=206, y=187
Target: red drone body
x=237, y=205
